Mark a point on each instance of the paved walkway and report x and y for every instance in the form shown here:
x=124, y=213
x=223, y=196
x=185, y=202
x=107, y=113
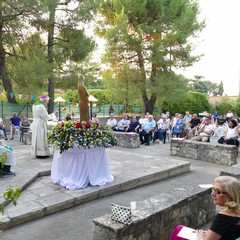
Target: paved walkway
x=125, y=165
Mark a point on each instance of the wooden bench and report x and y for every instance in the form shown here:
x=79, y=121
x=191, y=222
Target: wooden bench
x=127, y=139
x=155, y=218
x=204, y=151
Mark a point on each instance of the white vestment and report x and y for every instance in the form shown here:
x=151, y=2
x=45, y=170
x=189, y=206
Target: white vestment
x=39, y=131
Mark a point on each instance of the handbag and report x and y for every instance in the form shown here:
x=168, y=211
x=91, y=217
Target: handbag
x=121, y=214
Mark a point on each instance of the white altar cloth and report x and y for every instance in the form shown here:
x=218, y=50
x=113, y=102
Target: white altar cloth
x=78, y=167
x=10, y=155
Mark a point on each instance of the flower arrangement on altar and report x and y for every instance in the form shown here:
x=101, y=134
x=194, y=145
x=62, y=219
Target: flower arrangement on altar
x=88, y=135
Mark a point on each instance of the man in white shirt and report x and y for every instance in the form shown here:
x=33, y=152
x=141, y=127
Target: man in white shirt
x=147, y=130
x=229, y=115
x=2, y=127
x=163, y=125
x=112, y=122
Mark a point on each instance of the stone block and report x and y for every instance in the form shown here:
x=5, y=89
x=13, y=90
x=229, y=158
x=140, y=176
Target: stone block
x=128, y=140
x=156, y=217
x=207, y=152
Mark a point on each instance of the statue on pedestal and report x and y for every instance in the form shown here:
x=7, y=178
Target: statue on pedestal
x=83, y=102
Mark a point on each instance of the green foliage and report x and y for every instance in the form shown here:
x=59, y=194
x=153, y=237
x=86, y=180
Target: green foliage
x=75, y=44
x=207, y=87
x=29, y=74
x=225, y=105
x=192, y=101
x=237, y=107
x=151, y=37
x=87, y=135
x=11, y=195
x=3, y=158
x=121, y=86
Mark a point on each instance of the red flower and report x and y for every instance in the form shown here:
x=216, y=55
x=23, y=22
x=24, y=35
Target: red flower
x=79, y=125
x=87, y=125
x=62, y=123
x=97, y=123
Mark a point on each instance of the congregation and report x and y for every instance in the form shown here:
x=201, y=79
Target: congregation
x=190, y=126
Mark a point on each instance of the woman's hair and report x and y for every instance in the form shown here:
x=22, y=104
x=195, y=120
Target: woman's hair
x=231, y=186
x=234, y=122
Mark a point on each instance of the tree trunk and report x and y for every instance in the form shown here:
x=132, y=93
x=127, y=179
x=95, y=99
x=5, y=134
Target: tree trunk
x=3, y=72
x=51, y=59
x=149, y=104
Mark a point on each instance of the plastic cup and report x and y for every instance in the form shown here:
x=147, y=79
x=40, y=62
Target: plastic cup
x=133, y=205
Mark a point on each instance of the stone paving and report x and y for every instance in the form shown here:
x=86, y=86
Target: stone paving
x=78, y=220
x=40, y=197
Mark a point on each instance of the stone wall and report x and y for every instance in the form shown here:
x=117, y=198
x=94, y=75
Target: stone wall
x=233, y=171
x=204, y=151
x=156, y=218
x=128, y=140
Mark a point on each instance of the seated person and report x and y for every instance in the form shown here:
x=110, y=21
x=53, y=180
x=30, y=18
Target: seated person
x=179, y=126
x=225, y=224
x=94, y=117
x=14, y=124
x=231, y=137
x=112, y=122
x=68, y=117
x=205, y=130
x=24, y=124
x=134, y=125
x=2, y=127
x=143, y=119
x=192, y=127
x=123, y=124
x=219, y=131
x=163, y=125
x=56, y=116
x=145, y=132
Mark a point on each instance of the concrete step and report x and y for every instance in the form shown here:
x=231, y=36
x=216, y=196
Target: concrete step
x=41, y=197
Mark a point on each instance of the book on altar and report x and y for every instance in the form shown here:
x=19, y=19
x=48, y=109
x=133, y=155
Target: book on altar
x=188, y=233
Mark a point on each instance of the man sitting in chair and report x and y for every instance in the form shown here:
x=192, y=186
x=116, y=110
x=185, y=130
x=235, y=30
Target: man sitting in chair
x=149, y=126
x=163, y=126
x=14, y=124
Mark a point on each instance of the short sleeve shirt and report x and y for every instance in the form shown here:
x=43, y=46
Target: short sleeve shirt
x=15, y=121
x=227, y=227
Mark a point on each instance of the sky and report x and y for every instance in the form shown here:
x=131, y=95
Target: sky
x=220, y=44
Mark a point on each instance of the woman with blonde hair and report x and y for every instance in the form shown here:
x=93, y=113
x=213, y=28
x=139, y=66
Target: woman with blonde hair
x=226, y=223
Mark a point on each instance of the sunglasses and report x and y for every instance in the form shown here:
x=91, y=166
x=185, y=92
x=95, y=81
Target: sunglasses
x=217, y=191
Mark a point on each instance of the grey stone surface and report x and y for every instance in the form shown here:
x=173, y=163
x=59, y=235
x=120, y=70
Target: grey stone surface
x=207, y=152
x=233, y=171
x=128, y=140
x=77, y=221
x=191, y=206
x=129, y=170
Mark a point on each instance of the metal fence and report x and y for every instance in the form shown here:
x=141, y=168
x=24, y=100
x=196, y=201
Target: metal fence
x=7, y=109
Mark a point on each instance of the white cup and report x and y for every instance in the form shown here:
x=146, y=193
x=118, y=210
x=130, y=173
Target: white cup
x=133, y=205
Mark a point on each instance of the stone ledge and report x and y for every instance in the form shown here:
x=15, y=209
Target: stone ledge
x=203, y=151
x=155, y=218
x=233, y=171
x=128, y=140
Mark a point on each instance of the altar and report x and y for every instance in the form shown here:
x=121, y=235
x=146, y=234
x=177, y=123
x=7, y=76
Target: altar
x=77, y=167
